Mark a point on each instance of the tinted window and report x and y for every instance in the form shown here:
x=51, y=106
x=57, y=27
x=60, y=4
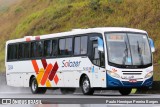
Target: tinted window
x=12, y=52
x=77, y=46
x=96, y=58
x=84, y=45
x=69, y=46
x=33, y=49
x=37, y=49
x=62, y=44
x=96, y=54
x=80, y=45
x=20, y=51
x=54, y=47
x=26, y=47
x=65, y=46
x=47, y=47
x=23, y=50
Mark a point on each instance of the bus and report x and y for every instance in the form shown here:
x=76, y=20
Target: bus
x=104, y=58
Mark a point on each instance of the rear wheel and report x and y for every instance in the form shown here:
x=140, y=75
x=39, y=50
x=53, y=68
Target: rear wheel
x=67, y=90
x=126, y=91
x=35, y=89
x=85, y=86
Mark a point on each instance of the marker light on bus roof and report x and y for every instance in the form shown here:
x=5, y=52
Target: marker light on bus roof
x=28, y=39
x=37, y=38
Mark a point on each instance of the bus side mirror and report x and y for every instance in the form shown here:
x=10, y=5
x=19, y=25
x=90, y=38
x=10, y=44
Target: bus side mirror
x=100, y=45
x=151, y=45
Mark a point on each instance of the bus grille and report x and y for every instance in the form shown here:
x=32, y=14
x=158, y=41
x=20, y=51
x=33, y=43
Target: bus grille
x=132, y=72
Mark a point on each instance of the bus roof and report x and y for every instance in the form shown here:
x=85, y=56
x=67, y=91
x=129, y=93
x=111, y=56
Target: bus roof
x=79, y=31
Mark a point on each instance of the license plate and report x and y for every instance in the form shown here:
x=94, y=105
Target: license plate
x=132, y=80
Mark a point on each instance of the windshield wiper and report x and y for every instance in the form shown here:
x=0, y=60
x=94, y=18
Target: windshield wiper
x=140, y=53
x=126, y=53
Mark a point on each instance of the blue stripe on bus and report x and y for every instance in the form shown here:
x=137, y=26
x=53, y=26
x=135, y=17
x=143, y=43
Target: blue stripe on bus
x=115, y=83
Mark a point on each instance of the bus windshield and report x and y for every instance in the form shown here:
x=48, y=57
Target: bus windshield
x=128, y=49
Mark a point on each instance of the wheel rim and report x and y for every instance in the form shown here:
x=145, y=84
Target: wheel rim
x=86, y=85
x=34, y=85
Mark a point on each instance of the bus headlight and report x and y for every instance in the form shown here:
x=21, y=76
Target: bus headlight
x=113, y=74
x=150, y=74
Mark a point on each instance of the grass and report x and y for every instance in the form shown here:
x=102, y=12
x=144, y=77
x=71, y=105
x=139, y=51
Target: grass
x=26, y=24
x=133, y=91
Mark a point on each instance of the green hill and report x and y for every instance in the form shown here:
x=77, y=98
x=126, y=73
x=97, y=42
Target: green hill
x=38, y=17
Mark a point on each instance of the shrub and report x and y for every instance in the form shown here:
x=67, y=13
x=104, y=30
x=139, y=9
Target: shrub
x=94, y=4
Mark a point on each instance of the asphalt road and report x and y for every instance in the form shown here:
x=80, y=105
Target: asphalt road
x=55, y=99
x=26, y=93
x=76, y=98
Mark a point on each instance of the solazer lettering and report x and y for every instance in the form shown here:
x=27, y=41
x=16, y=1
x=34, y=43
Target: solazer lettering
x=71, y=63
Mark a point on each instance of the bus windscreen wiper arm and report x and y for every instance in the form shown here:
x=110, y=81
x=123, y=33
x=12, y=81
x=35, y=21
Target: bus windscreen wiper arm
x=126, y=53
x=140, y=53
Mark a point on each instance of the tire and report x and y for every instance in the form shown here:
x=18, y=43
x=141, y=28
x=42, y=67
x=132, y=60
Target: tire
x=86, y=87
x=126, y=91
x=67, y=90
x=35, y=89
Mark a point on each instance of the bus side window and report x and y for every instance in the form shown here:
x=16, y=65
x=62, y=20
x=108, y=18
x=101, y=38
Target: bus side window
x=33, y=49
x=20, y=51
x=77, y=45
x=62, y=44
x=12, y=51
x=96, y=58
x=26, y=49
x=23, y=50
x=9, y=52
x=39, y=49
x=69, y=46
x=65, y=46
x=84, y=41
x=80, y=45
x=47, y=48
x=54, y=47
x=36, y=49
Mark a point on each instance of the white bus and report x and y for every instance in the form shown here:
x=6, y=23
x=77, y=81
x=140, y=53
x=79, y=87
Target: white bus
x=112, y=58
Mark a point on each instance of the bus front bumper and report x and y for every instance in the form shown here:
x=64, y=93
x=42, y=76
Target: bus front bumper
x=115, y=83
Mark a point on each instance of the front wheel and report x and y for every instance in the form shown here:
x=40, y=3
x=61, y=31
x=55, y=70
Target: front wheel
x=35, y=89
x=125, y=91
x=85, y=86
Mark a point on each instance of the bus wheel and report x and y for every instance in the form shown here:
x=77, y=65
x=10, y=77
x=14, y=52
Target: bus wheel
x=67, y=90
x=85, y=86
x=35, y=89
x=126, y=91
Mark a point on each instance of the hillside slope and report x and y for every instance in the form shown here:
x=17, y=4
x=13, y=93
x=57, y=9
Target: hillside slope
x=28, y=17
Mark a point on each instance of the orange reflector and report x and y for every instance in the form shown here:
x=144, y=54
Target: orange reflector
x=28, y=39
